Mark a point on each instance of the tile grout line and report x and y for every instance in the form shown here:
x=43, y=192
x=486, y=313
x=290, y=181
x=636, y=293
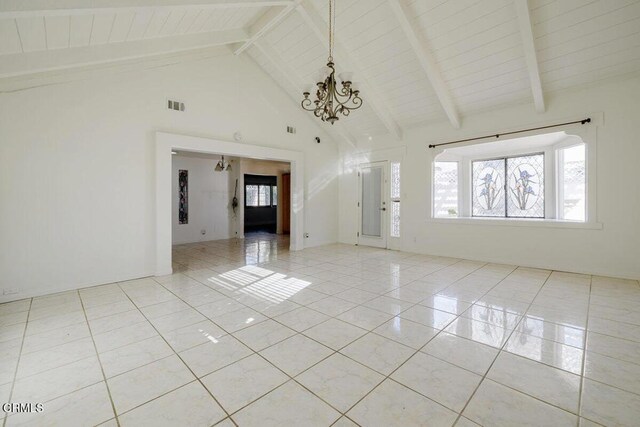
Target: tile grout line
x=181, y=359
x=253, y=352
x=95, y=348
x=501, y=349
x=584, y=355
x=388, y=377
x=297, y=333
x=372, y=330
x=361, y=304
x=15, y=372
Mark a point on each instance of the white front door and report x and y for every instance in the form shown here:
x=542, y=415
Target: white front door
x=373, y=205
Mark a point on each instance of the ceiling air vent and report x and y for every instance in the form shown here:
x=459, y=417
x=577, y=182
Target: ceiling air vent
x=291, y=129
x=175, y=105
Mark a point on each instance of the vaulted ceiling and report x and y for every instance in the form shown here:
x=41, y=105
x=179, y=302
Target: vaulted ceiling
x=415, y=61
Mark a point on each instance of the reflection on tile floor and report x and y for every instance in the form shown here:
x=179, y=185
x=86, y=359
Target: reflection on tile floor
x=247, y=333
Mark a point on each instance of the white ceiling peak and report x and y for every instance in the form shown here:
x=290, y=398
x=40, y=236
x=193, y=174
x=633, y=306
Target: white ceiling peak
x=369, y=92
x=526, y=31
x=490, y=53
x=270, y=19
x=427, y=62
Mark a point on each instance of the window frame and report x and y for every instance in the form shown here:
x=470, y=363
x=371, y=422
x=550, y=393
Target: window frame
x=459, y=193
x=505, y=185
x=559, y=174
x=270, y=205
x=575, y=134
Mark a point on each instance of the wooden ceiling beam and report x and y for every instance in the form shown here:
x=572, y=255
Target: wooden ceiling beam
x=427, y=61
x=526, y=31
x=10, y=9
x=50, y=60
x=265, y=23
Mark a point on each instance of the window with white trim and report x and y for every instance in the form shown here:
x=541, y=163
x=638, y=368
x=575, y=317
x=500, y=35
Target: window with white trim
x=572, y=174
x=445, y=189
x=538, y=177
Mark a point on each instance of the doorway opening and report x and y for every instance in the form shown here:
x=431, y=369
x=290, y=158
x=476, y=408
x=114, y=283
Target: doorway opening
x=267, y=197
x=175, y=203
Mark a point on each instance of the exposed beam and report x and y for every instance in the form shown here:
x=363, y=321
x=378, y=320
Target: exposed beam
x=369, y=94
x=266, y=22
x=29, y=8
x=427, y=61
x=110, y=69
x=526, y=31
x=338, y=130
x=35, y=62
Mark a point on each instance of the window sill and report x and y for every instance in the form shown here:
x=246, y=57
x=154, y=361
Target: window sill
x=515, y=222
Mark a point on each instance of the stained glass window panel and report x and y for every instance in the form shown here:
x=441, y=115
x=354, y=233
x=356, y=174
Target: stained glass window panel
x=573, y=170
x=445, y=189
x=251, y=194
x=395, y=180
x=488, y=188
x=525, y=186
x=275, y=196
x=395, y=219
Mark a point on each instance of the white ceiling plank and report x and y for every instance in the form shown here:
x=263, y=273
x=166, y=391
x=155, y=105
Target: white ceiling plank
x=9, y=39
x=102, y=25
x=140, y=23
x=57, y=28
x=170, y=26
x=370, y=94
x=33, y=8
x=32, y=34
x=187, y=20
x=35, y=62
x=296, y=82
x=526, y=30
x=157, y=22
x=80, y=30
x=265, y=23
x=427, y=62
x=121, y=27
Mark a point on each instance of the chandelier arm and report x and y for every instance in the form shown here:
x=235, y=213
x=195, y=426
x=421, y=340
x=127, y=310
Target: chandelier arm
x=332, y=98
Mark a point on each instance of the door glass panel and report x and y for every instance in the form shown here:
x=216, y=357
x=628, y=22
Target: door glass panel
x=372, y=202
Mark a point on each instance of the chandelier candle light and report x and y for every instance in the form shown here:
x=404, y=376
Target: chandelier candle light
x=330, y=100
x=222, y=165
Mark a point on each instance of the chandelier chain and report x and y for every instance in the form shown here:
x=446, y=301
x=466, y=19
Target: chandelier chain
x=332, y=24
x=331, y=99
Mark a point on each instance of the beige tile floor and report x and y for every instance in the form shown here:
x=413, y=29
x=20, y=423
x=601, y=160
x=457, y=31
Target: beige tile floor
x=248, y=333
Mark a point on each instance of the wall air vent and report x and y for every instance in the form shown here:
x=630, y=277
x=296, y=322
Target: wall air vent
x=291, y=129
x=175, y=105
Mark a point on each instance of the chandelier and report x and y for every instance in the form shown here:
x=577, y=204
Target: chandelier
x=330, y=99
x=222, y=165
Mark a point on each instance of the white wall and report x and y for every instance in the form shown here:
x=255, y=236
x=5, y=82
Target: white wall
x=210, y=194
x=77, y=178
x=614, y=250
